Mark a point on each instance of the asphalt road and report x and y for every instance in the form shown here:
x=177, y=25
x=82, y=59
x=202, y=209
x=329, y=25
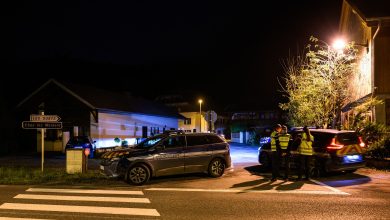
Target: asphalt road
x=244, y=193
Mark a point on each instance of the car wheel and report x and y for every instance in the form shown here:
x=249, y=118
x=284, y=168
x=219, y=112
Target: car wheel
x=314, y=172
x=138, y=174
x=265, y=161
x=216, y=167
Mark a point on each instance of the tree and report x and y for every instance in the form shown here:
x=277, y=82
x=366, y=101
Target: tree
x=316, y=84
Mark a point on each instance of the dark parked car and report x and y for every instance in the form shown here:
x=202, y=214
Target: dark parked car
x=334, y=150
x=168, y=154
x=82, y=142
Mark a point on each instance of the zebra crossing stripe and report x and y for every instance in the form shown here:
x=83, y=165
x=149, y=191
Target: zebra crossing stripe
x=11, y=218
x=86, y=191
x=82, y=198
x=81, y=209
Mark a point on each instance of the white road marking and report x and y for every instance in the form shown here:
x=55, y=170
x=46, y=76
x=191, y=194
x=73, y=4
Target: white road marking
x=81, y=209
x=251, y=191
x=327, y=186
x=82, y=198
x=10, y=218
x=86, y=191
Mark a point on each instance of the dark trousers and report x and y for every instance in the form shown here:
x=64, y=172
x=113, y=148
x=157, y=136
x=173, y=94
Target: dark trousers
x=304, y=165
x=275, y=164
x=286, y=160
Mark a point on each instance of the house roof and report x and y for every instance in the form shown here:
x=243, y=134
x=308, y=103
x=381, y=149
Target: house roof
x=356, y=103
x=110, y=101
x=371, y=9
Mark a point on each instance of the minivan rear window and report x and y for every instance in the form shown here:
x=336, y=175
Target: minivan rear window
x=348, y=138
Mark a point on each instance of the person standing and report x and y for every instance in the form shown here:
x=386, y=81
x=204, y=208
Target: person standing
x=306, y=153
x=284, y=140
x=275, y=148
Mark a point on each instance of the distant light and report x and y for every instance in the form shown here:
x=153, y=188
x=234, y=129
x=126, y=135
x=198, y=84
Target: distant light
x=200, y=101
x=339, y=44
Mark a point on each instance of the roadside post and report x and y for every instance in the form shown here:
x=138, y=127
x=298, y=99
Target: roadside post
x=86, y=152
x=42, y=122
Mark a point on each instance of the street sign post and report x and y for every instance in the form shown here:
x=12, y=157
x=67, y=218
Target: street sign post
x=41, y=125
x=45, y=118
x=43, y=122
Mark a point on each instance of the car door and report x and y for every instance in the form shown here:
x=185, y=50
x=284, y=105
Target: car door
x=197, y=154
x=169, y=157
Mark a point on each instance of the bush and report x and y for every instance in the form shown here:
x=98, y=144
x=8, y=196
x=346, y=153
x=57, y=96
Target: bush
x=380, y=149
x=372, y=132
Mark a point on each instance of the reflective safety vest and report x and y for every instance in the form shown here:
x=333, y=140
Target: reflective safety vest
x=284, y=139
x=274, y=136
x=305, y=148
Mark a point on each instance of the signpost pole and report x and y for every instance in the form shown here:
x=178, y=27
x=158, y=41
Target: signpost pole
x=43, y=143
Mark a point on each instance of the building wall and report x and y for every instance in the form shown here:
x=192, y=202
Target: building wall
x=382, y=61
x=194, y=116
x=127, y=127
x=382, y=73
x=353, y=28
x=373, y=70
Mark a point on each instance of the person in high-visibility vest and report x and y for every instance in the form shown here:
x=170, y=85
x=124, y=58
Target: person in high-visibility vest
x=306, y=153
x=275, y=148
x=284, y=140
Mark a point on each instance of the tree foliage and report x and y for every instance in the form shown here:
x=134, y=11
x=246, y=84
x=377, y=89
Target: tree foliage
x=316, y=84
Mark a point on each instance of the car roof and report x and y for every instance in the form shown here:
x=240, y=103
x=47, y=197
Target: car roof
x=329, y=131
x=332, y=131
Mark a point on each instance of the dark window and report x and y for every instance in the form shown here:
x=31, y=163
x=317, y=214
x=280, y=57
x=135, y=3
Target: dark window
x=187, y=121
x=193, y=140
x=348, y=138
x=194, y=130
x=144, y=131
x=173, y=142
x=322, y=140
x=213, y=139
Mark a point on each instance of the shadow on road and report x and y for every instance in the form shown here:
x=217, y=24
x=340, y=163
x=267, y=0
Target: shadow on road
x=342, y=179
x=257, y=170
x=250, y=183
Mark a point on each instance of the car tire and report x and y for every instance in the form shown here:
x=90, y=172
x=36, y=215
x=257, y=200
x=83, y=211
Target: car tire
x=216, y=168
x=265, y=161
x=138, y=174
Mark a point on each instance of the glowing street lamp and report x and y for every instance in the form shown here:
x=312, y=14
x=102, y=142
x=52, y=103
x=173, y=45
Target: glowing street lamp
x=339, y=44
x=200, y=114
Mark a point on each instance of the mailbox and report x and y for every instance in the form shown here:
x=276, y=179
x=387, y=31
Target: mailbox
x=76, y=161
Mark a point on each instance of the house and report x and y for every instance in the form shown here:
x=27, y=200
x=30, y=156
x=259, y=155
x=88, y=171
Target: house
x=194, y=120
x=88, y=111
x=246, y=126
x=367, y=23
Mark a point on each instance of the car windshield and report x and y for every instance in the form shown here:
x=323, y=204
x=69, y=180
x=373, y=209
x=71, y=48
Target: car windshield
x=149, y=142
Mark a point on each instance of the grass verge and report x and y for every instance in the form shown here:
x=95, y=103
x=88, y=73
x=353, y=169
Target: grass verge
x=55, y=176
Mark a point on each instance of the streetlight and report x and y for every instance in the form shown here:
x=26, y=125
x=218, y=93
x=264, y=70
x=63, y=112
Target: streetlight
x=200, y=114
x=339, y=45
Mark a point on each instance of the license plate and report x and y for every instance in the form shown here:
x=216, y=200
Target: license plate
x=352, y=158
x=101, y=167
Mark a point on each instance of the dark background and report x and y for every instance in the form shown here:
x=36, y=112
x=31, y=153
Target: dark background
x=227, y=52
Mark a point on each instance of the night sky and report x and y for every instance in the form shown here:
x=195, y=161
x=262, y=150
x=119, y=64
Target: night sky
x=227, y=52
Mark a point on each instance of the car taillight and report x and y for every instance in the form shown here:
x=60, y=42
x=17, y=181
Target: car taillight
x=361, y=143
x=334, y=146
